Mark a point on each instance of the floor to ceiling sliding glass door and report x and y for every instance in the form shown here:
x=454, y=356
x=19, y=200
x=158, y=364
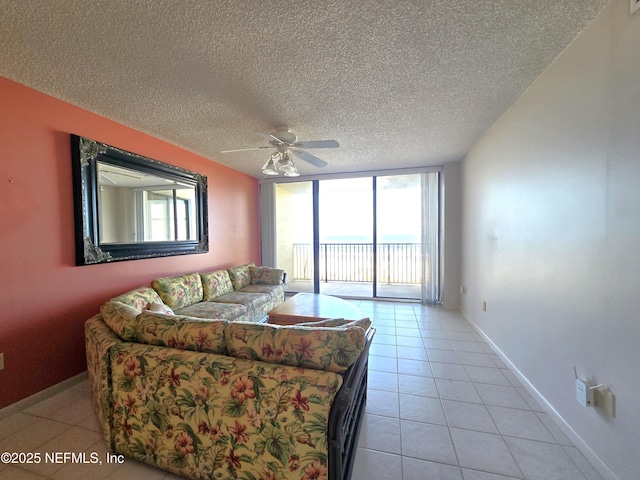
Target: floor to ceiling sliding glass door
x=294, y=234
x=374, y=236
x=345, y=212
x=399, y=236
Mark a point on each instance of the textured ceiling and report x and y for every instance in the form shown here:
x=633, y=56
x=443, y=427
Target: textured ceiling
x=397, y=83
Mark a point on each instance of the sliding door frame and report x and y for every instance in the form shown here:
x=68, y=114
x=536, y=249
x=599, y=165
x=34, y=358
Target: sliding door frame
x=315, y=188
x=375, y=237
x=269, y=243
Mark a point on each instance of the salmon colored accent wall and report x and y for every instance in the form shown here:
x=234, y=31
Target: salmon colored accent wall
x=44, y=298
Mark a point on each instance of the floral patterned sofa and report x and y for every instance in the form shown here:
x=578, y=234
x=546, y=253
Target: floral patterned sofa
x=218, y=399
x=245, y=293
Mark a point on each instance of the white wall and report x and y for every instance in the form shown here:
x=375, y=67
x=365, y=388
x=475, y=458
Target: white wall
x=551, y=234
x=118, y=223
x=451, y=235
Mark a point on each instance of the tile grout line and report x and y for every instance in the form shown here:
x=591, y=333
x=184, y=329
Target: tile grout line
x=467, y=368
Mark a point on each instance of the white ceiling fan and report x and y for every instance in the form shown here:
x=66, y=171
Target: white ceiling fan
x=286, y=144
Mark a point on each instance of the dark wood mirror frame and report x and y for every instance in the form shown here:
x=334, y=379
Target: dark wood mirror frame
x=86, y=154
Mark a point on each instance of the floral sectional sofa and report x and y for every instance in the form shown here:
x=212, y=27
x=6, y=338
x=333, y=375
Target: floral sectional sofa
x=245, y=293
x=209, y=398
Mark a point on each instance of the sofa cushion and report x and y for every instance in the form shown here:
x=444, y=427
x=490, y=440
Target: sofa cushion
x=275, y=291
x=121, y=318
x=257, y=304
x=179, y=331
x=240, y=276
x=179, y=292
x=333, y=349
x=215, y=284
x=140, y=298
x=266, y=276
x=364, y=323
x=215, y=310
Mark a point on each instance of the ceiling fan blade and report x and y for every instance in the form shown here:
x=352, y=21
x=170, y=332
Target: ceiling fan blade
x=318, y=144
x=307, y=157
x=245, y=149
x=270, y=138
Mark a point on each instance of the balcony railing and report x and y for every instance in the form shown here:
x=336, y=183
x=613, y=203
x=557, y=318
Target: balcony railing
x=353, y=262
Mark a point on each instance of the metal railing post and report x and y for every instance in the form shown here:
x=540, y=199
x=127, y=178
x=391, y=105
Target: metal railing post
x=353, y=262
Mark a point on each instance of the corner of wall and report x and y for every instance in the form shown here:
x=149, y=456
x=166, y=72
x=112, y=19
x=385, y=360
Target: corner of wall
x=451, y=242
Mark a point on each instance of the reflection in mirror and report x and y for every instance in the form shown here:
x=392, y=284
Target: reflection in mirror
x=128, y=206
x=140, y=207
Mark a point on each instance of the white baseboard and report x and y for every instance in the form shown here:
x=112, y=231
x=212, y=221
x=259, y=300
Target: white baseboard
x=580, y=444
x=42, y=395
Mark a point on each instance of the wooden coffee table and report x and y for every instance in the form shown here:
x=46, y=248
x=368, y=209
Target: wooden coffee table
x=310, y=307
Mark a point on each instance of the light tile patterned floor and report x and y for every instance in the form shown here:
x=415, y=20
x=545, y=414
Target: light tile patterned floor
x=441, y=405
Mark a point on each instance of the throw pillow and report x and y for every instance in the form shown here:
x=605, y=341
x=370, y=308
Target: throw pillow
x=139, y=298
x=266, y=276
x=240, y=276
x=121, y=318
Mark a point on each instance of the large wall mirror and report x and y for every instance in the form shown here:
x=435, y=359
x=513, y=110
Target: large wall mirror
x=128, y=206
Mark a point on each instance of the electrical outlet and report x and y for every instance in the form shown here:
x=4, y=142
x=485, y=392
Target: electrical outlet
x=1, y=361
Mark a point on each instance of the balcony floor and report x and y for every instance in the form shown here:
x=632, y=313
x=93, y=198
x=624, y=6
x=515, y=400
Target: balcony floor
x=358, y=289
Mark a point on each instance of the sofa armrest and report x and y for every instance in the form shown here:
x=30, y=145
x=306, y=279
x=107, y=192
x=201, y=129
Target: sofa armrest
x=347, y=413
x=99, y=340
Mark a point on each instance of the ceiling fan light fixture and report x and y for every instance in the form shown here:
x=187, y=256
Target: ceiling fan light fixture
x=285, y=164
x=269, y=168
x=292, y=173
